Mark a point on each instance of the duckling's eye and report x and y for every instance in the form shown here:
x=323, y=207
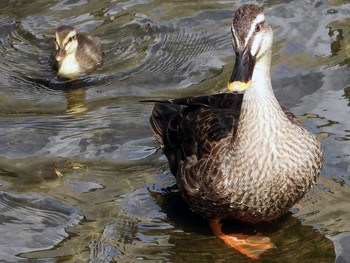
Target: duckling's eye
x=71, y=39
x=257, y=28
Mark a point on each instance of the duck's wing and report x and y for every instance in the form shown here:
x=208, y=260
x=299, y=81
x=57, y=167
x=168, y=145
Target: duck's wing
x=195, y=126
x=290, y=115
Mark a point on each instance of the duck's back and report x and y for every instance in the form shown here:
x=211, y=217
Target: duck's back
x=193, y=129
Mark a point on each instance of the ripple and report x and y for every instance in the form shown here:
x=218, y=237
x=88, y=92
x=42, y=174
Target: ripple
x=180, y=56
x=148, y=55
x=40, y=222
x=130, y=204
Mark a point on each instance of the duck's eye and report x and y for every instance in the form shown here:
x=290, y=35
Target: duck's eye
x=257, y=28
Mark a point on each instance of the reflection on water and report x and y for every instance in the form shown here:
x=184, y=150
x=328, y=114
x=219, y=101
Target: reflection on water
x=76, y=101
x=81, y=177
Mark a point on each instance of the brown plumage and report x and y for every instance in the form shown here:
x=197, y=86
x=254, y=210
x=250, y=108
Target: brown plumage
x=239, y=156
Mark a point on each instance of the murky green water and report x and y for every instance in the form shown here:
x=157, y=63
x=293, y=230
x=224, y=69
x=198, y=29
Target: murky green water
x=116, y=201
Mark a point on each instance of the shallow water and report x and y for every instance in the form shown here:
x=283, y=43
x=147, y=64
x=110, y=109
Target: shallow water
x=81, y=176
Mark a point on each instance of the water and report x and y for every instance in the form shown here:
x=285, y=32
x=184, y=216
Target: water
x=81, y=176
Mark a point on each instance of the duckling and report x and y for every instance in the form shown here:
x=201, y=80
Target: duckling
x=76, y=53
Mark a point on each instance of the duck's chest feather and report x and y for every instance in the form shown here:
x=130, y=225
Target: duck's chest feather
x=255, y=175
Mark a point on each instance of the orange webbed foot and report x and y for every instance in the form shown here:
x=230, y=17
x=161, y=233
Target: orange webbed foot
x=250, y=245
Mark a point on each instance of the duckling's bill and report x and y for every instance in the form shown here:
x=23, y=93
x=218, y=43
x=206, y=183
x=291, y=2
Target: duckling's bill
x=243, y=71
x=61, y=52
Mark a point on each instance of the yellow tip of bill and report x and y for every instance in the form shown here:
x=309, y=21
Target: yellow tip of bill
x=238, y=86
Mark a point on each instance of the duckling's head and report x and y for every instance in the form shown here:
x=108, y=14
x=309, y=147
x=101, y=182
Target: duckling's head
x=252, y=39
x=66, y=42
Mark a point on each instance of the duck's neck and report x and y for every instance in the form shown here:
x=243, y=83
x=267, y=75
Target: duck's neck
x=259, y=100
x=261, y=115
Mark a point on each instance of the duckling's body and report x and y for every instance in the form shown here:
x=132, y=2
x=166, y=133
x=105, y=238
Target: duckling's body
x=77, y=53
x=239, y=156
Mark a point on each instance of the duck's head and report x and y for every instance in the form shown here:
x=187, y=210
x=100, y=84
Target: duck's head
x=252, y=38
x=66, y=42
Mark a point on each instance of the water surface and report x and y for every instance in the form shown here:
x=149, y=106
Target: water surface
x=81, y=176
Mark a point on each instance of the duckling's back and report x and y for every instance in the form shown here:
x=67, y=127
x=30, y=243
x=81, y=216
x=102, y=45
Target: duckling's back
x=89, y=52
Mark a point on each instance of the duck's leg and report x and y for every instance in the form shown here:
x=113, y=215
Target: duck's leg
x=251, y=246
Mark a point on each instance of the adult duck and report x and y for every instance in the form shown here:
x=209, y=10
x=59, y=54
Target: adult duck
x=235, y=155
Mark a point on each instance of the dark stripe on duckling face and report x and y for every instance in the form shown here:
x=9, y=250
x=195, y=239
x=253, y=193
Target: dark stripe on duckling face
x=65, y=35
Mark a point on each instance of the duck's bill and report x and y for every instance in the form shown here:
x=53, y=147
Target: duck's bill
x=238, y=85
x=242, y=72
